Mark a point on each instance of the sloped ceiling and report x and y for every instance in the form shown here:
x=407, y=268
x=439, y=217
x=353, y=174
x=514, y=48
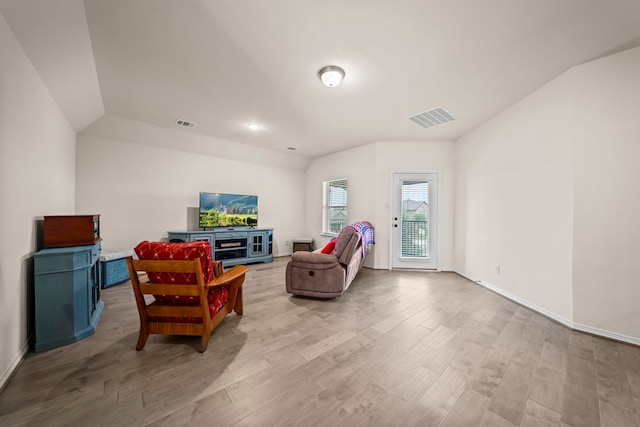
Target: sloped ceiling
x=55, y=36
x=223, y=64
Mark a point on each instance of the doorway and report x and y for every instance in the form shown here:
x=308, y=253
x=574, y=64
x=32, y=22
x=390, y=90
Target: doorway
x=414, y=222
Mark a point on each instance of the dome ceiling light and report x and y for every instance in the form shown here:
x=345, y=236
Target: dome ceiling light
x=331, y=75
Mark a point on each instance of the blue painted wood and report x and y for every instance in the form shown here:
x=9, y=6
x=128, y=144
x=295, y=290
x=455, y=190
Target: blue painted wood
x=67, y=295
x=233, y=245
x=114, y=272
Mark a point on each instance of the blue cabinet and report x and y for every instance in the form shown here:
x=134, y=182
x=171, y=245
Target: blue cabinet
x=67, y=295
x=233, y=246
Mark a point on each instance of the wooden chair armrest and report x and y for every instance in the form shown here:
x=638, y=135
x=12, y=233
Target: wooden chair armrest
x=228, y=276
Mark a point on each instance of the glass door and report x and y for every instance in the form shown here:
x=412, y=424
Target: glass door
x=258, y=246
x=415, y=221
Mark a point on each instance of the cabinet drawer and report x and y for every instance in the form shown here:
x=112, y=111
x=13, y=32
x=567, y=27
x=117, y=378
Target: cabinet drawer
x=190, y=237
x=205, y=237
x=233, y=235
x=65, y=259
x=179, y=236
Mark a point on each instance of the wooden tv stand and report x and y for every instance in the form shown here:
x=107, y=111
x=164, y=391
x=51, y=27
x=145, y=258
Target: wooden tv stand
x=239, y=245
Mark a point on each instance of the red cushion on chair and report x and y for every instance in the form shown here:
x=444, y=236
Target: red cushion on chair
x=217, y=297
x=184, y=251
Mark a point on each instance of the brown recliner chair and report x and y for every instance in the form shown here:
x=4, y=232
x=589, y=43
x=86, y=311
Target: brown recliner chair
x=315, y=274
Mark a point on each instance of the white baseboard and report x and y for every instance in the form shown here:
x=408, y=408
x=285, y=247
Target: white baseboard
x=606, y=334
x=6, y=375
x=568, y=323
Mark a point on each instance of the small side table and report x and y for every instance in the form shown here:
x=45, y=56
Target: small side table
x=303, y=244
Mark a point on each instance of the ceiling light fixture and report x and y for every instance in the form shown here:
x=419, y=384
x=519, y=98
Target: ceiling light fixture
x=331, y=75
x=253, y=126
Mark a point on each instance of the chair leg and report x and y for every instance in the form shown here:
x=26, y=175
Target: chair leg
x=239, y=307
x=205, y=341
x=142, y=339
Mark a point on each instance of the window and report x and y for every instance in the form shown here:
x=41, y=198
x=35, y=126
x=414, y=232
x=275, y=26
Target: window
x=334, y=207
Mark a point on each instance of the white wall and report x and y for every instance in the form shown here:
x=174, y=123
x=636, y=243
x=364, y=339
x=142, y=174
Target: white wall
x=143, y=191
x=369, y=169
x=37, y=175
x=514, y=198
x=607, y=194
x=357, y=165
x=548, y=191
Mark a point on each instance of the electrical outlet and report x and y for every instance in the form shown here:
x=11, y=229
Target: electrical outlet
x=497, y=268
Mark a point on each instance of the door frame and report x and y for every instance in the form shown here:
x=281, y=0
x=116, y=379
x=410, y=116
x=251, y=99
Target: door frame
x=436, y=172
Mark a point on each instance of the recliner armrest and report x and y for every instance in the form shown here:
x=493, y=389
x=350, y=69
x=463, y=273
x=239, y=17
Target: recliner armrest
x=349, y=250
x=314, y=258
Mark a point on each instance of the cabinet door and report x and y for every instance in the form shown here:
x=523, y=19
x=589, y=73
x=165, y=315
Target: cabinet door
x=258, y=243
x=94, y=282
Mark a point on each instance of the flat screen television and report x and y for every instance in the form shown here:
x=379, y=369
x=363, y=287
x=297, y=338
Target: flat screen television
x=227, y=210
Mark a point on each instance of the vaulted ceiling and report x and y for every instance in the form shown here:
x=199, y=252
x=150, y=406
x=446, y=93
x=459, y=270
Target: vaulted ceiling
x=225, y=63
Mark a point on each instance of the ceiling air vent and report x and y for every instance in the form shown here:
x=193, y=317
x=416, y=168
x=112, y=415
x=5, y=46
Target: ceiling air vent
x=185, y=123
x=434, y=117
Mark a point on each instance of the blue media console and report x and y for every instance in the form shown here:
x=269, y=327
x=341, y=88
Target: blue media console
x=233, y=245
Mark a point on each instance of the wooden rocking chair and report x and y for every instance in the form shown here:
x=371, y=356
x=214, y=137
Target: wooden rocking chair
x=184, y=309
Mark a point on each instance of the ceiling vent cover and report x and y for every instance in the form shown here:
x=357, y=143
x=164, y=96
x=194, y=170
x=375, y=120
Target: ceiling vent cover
x=185, y=123
x=434, y=117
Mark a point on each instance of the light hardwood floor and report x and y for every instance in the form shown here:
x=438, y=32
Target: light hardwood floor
x=399, y=348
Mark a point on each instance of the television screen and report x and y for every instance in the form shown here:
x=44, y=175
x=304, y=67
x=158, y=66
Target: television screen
x=228, y=210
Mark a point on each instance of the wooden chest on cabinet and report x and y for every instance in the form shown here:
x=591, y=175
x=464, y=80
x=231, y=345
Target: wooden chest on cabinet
x=71, y=230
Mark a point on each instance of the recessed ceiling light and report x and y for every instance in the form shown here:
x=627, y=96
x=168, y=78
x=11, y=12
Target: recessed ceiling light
x=185, y=123
x=253, y=126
